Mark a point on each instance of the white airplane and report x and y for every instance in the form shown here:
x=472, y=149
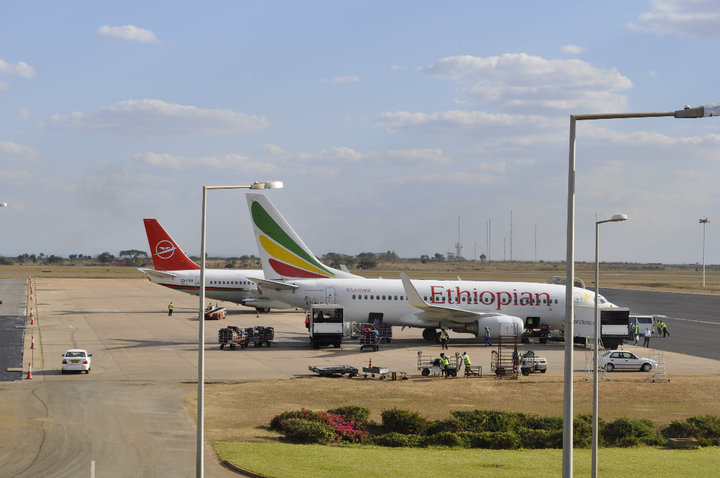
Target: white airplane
x=175, y=270
x=462, y=306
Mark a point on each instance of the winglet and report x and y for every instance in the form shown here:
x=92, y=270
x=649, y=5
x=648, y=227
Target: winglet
x=411, y=292
x=166, y=254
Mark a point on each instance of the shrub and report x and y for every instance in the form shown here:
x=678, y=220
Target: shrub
x=624, y=432
x=680, y=429
x=495, y=440
x=582, y=431
x=395, y=440
x=537, y=422
x=444, y=439
x=343, y=430
x=404, y=421
x=705, y=428
x=708, y=426
x=356, y=413
x=305, y=414
x=298, y=430
x=448, y=425
x=538, y=438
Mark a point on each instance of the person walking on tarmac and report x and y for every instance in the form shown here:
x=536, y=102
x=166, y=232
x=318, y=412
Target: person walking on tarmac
x=443, y=339
x=663, y=327
x=170, y=309
x=487, y=337
x=636, y=332
x=646, y=342
x=445, y=363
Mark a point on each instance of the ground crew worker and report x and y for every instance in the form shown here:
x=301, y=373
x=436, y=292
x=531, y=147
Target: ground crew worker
x=487, y=337
x=659, y=327
x=466, y=361
x=636, y=332
x=646, y=342
x=663, y=327
x=170, y=309
x=307, y=321
x=443, y=339
x=445, y=362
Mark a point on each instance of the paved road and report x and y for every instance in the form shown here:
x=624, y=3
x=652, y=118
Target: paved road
x=13, y=294
x=693, y=319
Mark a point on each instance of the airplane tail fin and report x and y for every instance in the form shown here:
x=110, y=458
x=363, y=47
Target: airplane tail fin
x=282, y=253
x=166, y=254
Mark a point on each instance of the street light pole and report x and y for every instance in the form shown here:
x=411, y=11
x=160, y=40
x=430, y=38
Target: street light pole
x=596, y=339
x=704, y=221
x=200, y=456
x=687, y=112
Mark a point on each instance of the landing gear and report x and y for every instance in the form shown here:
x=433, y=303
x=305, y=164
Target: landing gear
x=431, y=335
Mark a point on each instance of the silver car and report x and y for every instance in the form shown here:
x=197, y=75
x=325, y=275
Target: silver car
x=624, y=360
x=76, y=359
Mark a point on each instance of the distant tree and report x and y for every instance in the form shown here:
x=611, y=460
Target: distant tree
x=53, y=259
x=105, y=257
x=6, y=261
x=132, y=254
x=483, y=258
x=230, y=264
x=388, y=256
x=438, y=257
x=366, y=260
x=333, y=259
x=424, y=258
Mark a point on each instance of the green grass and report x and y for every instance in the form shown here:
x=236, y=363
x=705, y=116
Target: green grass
x=285, y=460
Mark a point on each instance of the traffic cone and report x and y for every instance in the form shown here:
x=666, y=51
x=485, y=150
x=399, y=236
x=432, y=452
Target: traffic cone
x=370, y=363
x=29, y=375
x=33, y=343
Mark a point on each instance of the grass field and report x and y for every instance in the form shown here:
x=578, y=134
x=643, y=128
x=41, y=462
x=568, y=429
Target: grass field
x=312, y=461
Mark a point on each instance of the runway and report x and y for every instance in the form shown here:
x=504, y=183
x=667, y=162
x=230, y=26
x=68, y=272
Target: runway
x=693, y=320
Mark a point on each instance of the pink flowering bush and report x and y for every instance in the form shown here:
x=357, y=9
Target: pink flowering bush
x=343, y=429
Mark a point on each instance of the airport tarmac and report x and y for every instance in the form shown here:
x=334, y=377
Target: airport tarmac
x=127, y=417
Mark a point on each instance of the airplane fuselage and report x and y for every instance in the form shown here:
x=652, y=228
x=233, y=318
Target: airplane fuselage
x=386, y=298
x=228, y=285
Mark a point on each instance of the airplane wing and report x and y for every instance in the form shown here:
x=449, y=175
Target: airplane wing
x=156, y=274
x=272, y=284
x=438, y=313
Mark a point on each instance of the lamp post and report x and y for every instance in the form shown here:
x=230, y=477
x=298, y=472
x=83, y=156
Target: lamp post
x=704, y=221
x=199, y=463
x=596, y=338
x=698, y=112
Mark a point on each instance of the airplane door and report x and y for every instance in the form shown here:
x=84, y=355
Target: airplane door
x=330, y=295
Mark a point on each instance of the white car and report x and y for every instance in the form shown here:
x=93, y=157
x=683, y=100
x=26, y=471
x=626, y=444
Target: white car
x=76, y=359
x=624, y=360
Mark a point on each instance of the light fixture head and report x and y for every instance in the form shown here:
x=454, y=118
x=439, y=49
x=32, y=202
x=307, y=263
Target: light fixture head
x=267, y=185
x=619, y=217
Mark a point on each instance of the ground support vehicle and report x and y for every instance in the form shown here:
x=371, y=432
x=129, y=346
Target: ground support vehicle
x=383, y=373
x=331, y=370
x=326, y=325
x=216, y=313
x=369, y=339
x=535, y=331
x=232, y=337
x=613, y=325
x=425, y=365
x=259, y=336
x=531, y=363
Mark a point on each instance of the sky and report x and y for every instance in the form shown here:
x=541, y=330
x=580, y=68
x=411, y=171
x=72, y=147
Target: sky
x=398, y=126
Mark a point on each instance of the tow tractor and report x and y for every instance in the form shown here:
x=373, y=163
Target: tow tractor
x=530, y=363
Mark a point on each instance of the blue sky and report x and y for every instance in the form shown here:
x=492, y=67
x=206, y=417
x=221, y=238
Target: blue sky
x=385, y=120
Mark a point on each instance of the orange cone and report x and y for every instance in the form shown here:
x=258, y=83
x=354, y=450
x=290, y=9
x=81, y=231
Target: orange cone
x=29, y=375
x=370, y=364
x=33, y=343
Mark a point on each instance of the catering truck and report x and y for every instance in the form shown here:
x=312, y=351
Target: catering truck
x=613, y=325
x=326, y=325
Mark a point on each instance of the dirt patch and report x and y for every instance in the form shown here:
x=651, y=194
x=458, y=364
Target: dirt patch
x=242, y=411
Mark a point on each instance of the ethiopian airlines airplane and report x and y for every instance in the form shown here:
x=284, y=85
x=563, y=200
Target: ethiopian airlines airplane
x=175, y=270
x=293, y=275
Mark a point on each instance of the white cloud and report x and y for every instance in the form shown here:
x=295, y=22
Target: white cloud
x=697, y=18
x=573, y=49
x=230, y=160
x=452, y=121
x=25, y=113
x=416, y=155
x=14, y=150
x=20, y=69
x=153, y=118
x=128, y=33
x=342, y=79
x=272, y=149
x=518, y=81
